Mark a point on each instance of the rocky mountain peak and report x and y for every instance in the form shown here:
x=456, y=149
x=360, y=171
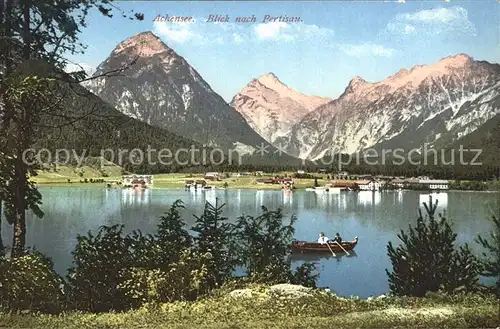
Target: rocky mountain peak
x=416, y=75
x=144, y=44
x=434, y=103
x=457, y=60
x=271, y=107
x=270, y=80
x=356, y=81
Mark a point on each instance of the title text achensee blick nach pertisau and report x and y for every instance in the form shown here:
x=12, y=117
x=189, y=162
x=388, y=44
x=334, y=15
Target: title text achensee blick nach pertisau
x=215, y=18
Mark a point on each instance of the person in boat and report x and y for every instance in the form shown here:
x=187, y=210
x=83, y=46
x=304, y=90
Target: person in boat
x=322, y=238
x=337, y=238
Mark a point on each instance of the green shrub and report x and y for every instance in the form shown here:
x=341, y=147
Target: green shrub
x=30, y=283
x=490, y=260
x=263, y=245
x=98, y=263
x=427, y=260
x=185, y=279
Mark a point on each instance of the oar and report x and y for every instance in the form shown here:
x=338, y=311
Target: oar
x=342, y=247
x=328, y=244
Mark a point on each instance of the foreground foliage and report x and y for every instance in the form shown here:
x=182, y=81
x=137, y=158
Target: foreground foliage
x=320, y=310
x=114, y=271
x=30, y=282
x=490, y=260
x=428, y=260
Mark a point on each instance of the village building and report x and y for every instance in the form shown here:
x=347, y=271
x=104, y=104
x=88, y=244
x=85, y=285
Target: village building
x=344, y=184
x=435, y=184
x=137, y=180
x=398, y=182
x=368, y=185
x=212, y=176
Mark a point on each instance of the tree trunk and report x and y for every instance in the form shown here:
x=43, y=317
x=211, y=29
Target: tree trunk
x=21, y=171
x=19, y=237
x=6, y=7
x=20, y=179
x=2, y=248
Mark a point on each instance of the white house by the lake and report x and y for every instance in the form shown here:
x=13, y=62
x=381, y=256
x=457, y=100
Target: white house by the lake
x=212, y=176
x=435, y=184
x=137, y=180
x=368, y=185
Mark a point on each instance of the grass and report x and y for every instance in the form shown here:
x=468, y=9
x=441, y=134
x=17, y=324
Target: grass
x=64, y=175
x=233, y=182
x=174, y=180
x=317, y=311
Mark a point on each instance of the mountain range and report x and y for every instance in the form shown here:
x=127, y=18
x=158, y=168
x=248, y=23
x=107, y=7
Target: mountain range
x=163, y=90
x=435, y=104
x=86, y=126
x=438, y=104
x=271, y=108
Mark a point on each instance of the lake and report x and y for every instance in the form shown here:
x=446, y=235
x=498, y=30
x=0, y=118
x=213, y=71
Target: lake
x=375, y=218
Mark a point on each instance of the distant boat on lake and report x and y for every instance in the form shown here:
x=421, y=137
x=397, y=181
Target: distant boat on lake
x=316, y=247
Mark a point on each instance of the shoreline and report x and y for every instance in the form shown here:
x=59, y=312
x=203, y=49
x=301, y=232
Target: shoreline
x=243, y=187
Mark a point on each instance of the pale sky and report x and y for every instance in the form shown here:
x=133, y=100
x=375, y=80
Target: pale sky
x=335, y=40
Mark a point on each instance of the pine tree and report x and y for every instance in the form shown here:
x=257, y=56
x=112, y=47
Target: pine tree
x=491, y=262
x=427, y=260
x=264, y=245
x=214, y=237
x=172, y=239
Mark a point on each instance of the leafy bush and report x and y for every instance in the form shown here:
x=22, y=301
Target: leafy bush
x=189, y=277
x=263, y=245
x=182, y=280
x=142, y=285
x=428, y=261
x=98, y=265
x=144, y=250
x=30, y=283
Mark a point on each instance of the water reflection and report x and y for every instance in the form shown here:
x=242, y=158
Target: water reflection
x=287, y=197
x=399, y=196
x=195, y=195
x=307, y=257
x=135, y=196
x=368, y=198
x=342, y=202
x=210, y=196
x=259, y=199
x=442, y=199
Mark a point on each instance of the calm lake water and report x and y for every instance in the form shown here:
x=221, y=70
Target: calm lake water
x=375, y=218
